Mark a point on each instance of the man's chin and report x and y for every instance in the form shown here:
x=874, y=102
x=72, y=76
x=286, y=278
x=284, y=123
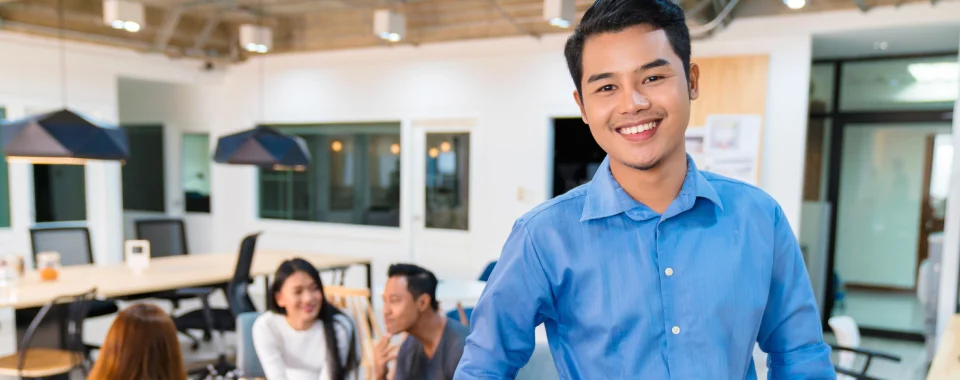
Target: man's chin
x=642, y=164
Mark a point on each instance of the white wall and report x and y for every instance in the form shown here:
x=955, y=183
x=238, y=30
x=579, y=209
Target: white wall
x=30, y=79
x=180, y=108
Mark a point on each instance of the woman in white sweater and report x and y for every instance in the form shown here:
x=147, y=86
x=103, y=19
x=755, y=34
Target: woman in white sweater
x=302, y=336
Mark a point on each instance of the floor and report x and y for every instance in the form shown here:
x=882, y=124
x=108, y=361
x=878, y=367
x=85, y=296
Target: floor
x=880, y=310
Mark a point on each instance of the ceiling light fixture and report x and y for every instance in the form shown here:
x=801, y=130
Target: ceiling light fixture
x=559, y=13
x=123, y=15
x=255, y=38
x=389, y=25
x=795, y=4
x=881, y=45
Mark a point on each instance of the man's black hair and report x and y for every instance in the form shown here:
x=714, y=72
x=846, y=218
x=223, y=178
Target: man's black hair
x=612, y=16
x=419, y=281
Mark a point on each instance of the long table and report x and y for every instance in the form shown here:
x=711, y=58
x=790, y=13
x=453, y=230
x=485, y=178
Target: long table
x=164, y=273
x=946, y=361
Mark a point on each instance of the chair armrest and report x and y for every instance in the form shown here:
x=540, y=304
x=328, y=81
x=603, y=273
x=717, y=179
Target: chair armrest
x=868, y=353
x=855, y=375
x=195, y=292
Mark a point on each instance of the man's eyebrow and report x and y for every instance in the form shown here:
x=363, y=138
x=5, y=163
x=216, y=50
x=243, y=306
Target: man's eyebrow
x=596, y=77
x=653, y=64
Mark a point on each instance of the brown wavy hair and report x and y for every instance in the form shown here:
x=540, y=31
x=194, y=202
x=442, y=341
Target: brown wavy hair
x=141, y=344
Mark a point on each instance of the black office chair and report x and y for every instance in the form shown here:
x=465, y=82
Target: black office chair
x=869, y=355
x=167, y=237
x=73, y=245
x=238, y=301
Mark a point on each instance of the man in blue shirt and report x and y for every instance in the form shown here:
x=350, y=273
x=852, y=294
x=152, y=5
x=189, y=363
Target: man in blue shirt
x=653, y=270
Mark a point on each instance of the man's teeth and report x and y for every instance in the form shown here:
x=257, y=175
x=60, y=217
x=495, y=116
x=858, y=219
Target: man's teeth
x=638, y=129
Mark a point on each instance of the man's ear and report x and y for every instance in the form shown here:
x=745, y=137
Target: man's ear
x=694, y=81
x=423, y=302
x=579, y=99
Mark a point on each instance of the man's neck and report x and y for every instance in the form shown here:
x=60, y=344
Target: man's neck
x=656, y=188
x=429, y=330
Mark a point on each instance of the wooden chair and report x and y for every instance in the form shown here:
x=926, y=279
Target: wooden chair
x=44, y=362
x=356, y=303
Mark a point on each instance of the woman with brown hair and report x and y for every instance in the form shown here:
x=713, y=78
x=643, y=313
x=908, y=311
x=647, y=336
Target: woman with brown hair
x=141, y=345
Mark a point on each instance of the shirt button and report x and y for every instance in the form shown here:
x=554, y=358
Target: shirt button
x=669, y=272
x=675, y=330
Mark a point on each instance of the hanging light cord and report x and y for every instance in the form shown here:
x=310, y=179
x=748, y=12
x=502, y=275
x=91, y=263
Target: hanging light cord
x=260, y=63
x=63, y=55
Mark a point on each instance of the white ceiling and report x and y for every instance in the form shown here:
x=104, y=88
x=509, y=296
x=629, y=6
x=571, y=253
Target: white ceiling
x=915, y=40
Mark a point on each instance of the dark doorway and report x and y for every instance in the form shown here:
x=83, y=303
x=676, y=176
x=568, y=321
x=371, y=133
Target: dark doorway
x=576, y=154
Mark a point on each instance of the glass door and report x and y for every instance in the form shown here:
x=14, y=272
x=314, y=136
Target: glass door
x=441, y=199
x=893, y=184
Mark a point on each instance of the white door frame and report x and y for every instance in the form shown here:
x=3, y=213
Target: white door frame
x=419, y=233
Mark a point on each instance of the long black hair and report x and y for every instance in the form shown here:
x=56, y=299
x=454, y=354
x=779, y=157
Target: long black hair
x=327, y=315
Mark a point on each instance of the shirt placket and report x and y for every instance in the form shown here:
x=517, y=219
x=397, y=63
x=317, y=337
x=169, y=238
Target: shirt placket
x=666, y=272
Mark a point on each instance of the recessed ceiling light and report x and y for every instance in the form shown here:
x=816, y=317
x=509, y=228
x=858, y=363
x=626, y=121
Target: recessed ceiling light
x=795, y=4
x=881, y=45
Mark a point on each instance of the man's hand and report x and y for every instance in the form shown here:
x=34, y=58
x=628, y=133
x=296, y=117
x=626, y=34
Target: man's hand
x=383, y=353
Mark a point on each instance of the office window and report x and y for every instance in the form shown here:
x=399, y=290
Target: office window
x=143, y=182
x=354, y=177
x=196, y=172
x=4, y=183
x=902, y=84
x=448, y=164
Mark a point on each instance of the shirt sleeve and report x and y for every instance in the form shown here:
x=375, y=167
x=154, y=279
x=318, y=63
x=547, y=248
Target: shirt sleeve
x=790, y=331
x=268, y=349
x=516, y=299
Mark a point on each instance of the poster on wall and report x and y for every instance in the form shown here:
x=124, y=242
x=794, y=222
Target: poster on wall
x=728, y=145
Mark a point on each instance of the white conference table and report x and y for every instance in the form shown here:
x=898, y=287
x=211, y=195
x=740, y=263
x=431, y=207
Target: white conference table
x=164, y=273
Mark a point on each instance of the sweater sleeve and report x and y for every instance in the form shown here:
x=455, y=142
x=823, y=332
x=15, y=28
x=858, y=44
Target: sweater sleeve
x=267, y=345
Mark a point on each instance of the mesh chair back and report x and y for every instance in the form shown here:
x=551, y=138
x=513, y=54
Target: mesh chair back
x=167, y=237
x=72, y=243
x=237, y=295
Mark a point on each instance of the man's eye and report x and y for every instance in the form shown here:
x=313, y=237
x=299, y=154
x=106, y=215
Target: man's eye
x=608, y=87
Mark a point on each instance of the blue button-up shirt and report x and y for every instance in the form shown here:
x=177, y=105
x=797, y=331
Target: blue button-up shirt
x=627, y=293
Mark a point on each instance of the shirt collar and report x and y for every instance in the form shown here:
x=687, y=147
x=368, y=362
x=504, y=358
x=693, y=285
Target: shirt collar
x=606, y=198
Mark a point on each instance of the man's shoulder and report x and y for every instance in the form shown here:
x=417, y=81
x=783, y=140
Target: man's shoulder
x=562, y=207
x=738, y=193
x=457, y=330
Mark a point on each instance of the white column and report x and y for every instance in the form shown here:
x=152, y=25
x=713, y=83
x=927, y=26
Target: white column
x=950, y=261
x=105, y=211
x=22, y=216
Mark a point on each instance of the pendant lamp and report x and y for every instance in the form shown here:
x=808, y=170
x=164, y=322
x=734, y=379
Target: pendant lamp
x=64, y=136
x=264, y=147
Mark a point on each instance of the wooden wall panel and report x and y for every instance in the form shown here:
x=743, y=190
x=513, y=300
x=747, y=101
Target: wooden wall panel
x=731, y=85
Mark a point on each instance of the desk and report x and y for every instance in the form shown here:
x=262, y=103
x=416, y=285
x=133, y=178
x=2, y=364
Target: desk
x=946, y=362
x=165, y=273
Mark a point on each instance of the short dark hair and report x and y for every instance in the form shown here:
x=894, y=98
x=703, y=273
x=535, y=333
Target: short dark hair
x=419, y=281
x=611, y=16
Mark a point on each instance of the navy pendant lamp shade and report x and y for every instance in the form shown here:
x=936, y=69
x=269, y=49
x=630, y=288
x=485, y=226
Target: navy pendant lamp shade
x=265, y=147
x=63, y=137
